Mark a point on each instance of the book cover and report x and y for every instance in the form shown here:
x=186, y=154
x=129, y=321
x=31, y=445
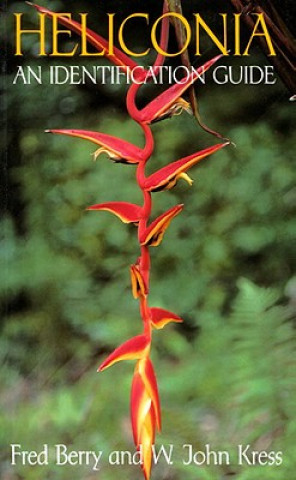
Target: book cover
x=148, y=240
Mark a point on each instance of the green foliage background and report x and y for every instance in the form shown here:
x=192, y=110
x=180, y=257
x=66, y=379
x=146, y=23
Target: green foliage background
x=227, y=375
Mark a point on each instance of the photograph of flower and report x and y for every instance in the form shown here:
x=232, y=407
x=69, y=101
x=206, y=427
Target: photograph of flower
x=177, y=120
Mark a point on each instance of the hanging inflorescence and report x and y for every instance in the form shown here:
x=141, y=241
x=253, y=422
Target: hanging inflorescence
x=145, y=405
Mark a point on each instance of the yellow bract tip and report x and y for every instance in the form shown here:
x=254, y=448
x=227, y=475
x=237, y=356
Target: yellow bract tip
x=110, y=154
x=186, y=178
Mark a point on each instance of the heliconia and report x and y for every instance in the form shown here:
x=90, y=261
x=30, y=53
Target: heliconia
x=161, y=317
x=143, y=418
x=126, y=212
x=132, y=349
x=139, y=287
x=167, y=177
x=153, y=235
x=169, y=102
x=117, y=149
x=145, y=404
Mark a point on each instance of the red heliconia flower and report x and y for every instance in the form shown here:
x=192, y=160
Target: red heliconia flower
x=132, y=349
x=145, y=404
x=117, y=149
x=126, y=212
x=145, y=411
x=167, y=177
x=146, y=371
x=161, y=317
x=139, y=287
x=153, y=235
x=169, y=102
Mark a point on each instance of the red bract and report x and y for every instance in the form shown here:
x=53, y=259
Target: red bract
x=132, y=349
x=139, y=287
x=169, y=102
x=146, y=371
x=153, y=235
x=167, y=177
x=127, y=212
x=117, y=149
x=161, y=317
x=145, y=404
x=145, y=411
